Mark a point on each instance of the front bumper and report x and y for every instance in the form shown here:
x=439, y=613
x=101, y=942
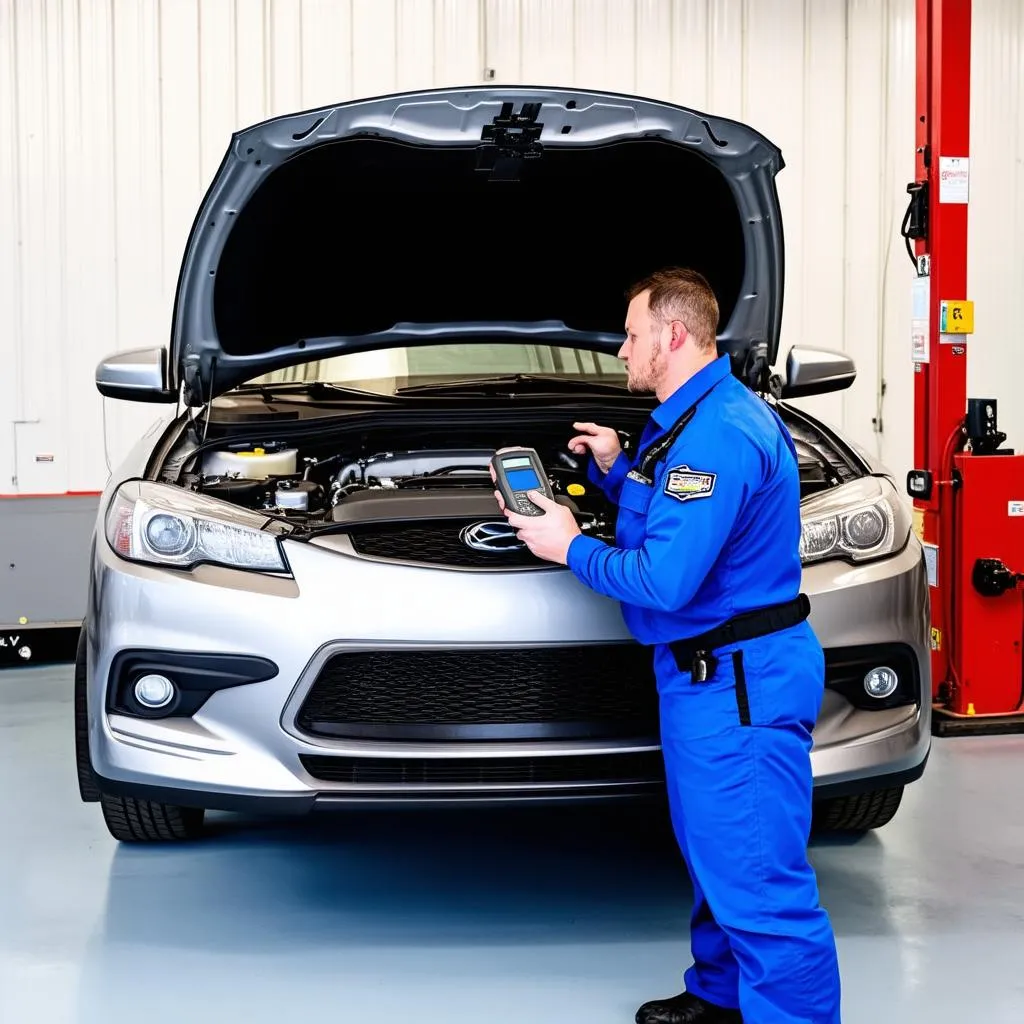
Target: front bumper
x=243, y=748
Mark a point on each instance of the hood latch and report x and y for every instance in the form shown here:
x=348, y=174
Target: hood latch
x=510, y=139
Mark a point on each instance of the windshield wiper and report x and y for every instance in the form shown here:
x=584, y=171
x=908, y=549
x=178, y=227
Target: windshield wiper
x=512, y=382
x=316, y=389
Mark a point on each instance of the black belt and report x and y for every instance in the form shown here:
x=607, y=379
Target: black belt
x=694, y=654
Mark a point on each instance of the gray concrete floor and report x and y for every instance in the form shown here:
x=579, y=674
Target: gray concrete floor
x=525, y=918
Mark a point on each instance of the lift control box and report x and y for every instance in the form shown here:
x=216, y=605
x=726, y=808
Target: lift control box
x=989, y=563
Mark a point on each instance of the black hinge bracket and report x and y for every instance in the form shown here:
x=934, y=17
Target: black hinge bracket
x=757, y=374
x=510, y=139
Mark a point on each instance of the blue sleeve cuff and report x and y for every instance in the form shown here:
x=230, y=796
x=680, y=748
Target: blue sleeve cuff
x=594, y=475
x=617, y=474
x=578, y=557
x=610, y=482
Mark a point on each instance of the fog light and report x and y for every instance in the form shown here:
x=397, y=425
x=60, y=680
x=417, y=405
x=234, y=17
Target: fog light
x=154, y=691
x=881, y=682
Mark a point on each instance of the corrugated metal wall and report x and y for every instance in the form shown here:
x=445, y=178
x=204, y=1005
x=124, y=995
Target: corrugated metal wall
x=995, y=267
x=115, y=113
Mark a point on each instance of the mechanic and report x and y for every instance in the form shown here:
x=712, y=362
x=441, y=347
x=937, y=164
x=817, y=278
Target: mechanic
x=708, y=530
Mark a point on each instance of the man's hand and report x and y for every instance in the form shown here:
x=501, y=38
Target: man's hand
x=602, y=442
x=547, y=536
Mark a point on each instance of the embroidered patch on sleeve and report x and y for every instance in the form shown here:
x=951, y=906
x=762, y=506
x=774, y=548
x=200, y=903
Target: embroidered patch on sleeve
x=685, y=484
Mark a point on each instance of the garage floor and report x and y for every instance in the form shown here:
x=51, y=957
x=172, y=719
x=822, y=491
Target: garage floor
x=525, y=918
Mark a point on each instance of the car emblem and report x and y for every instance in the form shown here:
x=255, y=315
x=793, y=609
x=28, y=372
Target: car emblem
x=492, y=537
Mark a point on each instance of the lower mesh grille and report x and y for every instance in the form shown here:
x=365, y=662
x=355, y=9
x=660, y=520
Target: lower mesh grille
x=607, y=688
x=596, y=768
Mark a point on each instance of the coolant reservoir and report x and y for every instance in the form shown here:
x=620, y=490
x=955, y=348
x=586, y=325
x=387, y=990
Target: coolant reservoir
x=256, y=464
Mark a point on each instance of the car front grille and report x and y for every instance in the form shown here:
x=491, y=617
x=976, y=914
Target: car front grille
x=642, y=767
x=496, y=693
x=434, y=543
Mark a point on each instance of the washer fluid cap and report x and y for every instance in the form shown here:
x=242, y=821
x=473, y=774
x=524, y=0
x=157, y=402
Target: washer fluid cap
x=256, y=464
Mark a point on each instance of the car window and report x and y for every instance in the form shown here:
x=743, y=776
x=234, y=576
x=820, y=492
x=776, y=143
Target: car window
x=386, y=369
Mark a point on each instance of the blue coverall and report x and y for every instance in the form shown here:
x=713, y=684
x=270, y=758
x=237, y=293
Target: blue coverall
x=717, y=534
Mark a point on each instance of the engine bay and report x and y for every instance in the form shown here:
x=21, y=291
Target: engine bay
x=340, y=489
x=370, y=483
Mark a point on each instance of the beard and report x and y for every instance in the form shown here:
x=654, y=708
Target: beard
x=645, y=379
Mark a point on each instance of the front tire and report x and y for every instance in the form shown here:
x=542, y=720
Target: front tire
x=861, y=812
x=88, y=788
x=141, y=821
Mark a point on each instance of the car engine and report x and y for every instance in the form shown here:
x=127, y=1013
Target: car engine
x=429, y=504
x=342, y=492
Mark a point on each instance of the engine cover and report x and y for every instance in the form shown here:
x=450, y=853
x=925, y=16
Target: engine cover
x=389, y=506
x=414, y=464
x=392, y=506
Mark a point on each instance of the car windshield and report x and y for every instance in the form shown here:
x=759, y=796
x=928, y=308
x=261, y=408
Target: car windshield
x=385, y=371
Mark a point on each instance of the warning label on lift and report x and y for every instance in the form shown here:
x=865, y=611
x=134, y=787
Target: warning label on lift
x=956, y=317
x=931, y=561
x=954, y=179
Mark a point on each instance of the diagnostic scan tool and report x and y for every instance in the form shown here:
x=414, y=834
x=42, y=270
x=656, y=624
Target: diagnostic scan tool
x=516, y=471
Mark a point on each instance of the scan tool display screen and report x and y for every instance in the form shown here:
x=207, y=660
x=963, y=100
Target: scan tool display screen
x=522, y=479
x=520, y=473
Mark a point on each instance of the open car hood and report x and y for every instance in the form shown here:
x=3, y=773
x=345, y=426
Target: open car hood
x=481, y=213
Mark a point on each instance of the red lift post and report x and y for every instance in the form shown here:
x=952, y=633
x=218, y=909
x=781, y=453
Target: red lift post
x=968, y=491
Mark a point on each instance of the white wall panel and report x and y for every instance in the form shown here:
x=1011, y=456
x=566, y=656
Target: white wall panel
x=996, y=214
x=606, y=44
x=820, y=160
x=38, y=235
x=326, y=50
x=10, y=264
x=114, y=114
x=725, y=71
x=894, y=370
x=868, y=188
x=374, y=62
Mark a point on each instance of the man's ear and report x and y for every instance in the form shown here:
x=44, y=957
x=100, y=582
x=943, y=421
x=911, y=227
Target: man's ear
x=679, y=334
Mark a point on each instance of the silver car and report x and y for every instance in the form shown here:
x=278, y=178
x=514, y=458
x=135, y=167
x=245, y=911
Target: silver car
x=303, y=595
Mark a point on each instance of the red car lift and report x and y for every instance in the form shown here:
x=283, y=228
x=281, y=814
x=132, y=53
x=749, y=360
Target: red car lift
x=968, y=490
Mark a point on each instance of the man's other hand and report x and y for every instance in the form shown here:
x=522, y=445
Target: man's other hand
x=547, y=536
x=601, y=442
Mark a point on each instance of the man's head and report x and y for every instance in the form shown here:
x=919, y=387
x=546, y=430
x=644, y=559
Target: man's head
x=671, y=330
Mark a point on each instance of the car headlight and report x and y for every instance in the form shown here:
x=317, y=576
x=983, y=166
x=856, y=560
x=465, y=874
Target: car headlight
x=163, y=525
x=859, y=521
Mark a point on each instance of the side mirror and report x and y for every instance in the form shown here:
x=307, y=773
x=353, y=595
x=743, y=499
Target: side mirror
x=816, y=371
x=136, y=376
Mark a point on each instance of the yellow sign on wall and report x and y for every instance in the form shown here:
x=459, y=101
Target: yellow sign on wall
x=956, y=316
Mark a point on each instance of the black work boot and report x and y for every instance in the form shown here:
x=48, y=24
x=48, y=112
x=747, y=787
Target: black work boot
x=685, y=1009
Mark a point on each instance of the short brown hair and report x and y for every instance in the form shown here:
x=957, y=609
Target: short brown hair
x=681, y=294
